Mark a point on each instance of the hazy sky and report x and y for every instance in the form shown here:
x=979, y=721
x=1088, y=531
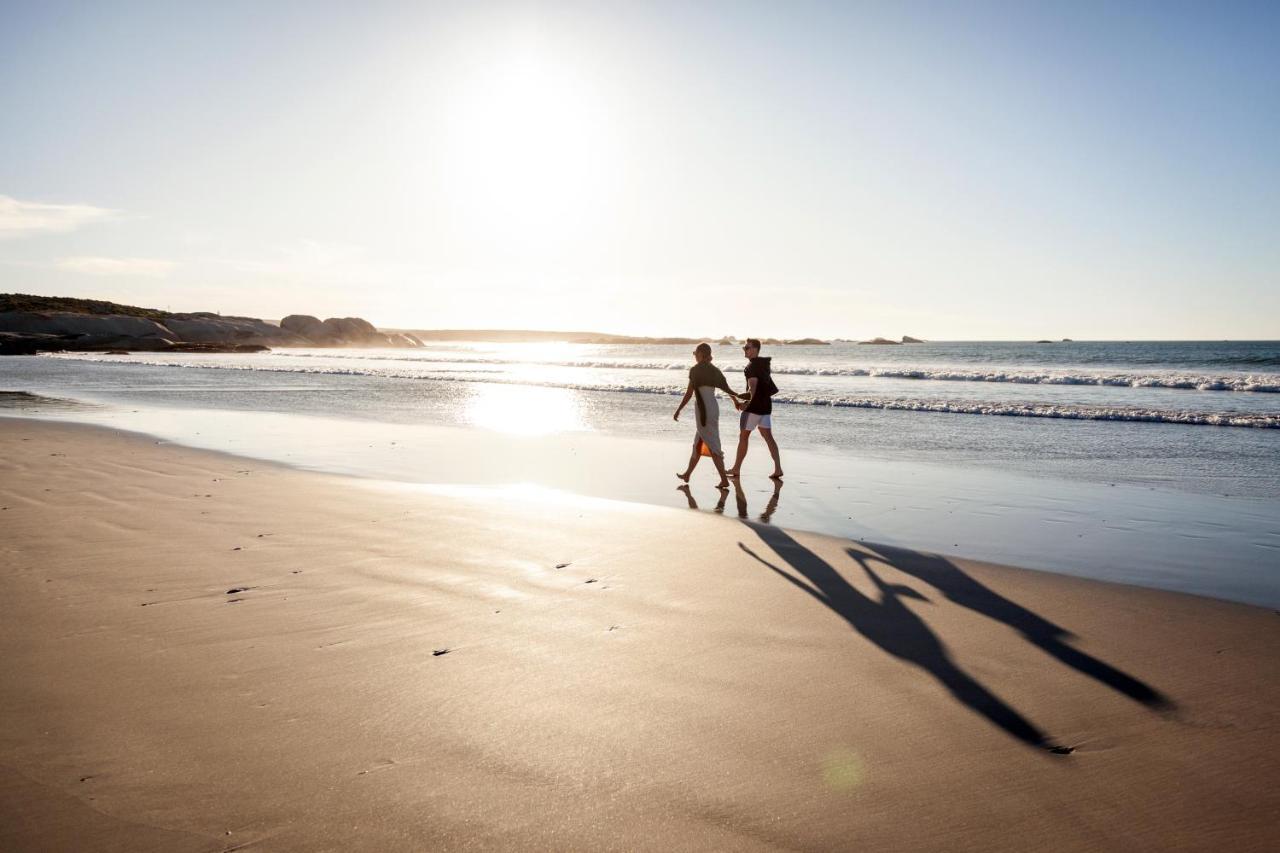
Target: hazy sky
x=945, y=170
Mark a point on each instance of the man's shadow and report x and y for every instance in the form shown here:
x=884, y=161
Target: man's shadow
x=890, y=624
x=960, y=588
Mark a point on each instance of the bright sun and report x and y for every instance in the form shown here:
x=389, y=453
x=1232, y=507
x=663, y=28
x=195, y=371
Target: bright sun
x=530, y=158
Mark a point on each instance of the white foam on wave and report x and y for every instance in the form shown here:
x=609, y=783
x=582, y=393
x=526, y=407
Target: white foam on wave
x=1254, y=383
x=1264, y=420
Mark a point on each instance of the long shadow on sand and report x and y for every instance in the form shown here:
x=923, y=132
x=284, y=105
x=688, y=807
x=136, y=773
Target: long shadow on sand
x=891, y=625
x=961, y=589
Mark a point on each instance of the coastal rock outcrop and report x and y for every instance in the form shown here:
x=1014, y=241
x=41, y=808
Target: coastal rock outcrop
x=907, y=339
x=344, y=331
x=881, y=342
x=30, y=324
x=304, y=325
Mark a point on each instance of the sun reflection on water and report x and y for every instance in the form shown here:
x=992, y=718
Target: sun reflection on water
x=525, y=410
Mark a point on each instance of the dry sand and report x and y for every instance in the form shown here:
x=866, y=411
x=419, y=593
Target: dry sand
x=617, y=677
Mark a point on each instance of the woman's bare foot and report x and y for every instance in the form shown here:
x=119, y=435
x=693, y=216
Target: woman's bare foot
x=723, y=484
x=733, y=472
x=684, y=477
x=776, y=475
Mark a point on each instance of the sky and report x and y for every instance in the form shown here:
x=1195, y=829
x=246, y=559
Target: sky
x=943, y=170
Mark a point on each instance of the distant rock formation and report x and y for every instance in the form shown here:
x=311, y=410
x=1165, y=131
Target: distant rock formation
x=304, y=325
x=30, y=324
x=881, y=342
x=907, y=339
x=344, y=331
x=793, y=342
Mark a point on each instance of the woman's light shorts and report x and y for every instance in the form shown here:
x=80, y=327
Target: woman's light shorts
x=750, y=421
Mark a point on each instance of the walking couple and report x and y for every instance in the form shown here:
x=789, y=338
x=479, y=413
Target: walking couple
x=756, y=406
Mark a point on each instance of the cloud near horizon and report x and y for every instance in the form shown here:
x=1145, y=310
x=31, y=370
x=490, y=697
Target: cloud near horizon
x=21, y=218
x=152, y=267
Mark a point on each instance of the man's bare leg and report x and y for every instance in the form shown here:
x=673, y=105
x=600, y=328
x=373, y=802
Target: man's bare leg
x=744, y=436
x=773, y=451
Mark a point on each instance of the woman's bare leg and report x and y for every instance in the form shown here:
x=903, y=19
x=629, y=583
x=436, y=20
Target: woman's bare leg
x=693, y=462
x=718, y=458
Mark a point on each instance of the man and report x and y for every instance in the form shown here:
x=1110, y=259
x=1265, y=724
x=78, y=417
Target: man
x=758, y=412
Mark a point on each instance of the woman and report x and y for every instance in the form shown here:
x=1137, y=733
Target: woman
x=704, y=379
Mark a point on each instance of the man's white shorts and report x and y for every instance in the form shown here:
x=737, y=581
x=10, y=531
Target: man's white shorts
x=750, y=421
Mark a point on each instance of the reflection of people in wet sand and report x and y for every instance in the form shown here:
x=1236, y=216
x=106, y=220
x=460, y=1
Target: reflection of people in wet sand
x=770, y=508
x=704, y=379
x=693, y=504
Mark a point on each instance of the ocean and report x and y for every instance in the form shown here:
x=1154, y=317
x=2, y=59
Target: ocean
x=1147, y=462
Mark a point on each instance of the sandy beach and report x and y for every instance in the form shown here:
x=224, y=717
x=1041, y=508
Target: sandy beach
x=206, y=653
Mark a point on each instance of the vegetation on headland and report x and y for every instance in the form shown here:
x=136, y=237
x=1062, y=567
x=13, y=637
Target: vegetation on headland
x=96, y=307
x=31, y=324
x=30, y=302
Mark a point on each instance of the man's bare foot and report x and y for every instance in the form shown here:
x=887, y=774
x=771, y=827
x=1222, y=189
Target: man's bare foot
x=684, y=477
x=776, y=475
x=732, y=473
x=723, y=484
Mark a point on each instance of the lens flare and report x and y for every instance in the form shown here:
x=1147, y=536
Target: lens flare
x=843, y=770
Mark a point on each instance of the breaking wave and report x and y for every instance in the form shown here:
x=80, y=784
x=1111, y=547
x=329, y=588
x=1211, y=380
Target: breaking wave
x=1263, y=420
x=1255, y=383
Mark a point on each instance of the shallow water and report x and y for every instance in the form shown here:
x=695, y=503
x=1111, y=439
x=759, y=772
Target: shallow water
x=1171, y=505
x=1147, y=534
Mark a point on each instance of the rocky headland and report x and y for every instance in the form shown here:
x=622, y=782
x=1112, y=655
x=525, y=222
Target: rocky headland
x=31, y=324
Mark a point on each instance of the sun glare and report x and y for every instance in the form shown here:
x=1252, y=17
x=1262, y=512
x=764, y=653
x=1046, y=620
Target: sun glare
x=525, y=410
x=529, y=155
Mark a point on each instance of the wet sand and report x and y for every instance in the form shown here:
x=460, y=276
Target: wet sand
x=202, y=652
x=1160, y=538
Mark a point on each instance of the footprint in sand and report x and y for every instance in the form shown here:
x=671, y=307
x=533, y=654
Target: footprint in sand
x=383, y=764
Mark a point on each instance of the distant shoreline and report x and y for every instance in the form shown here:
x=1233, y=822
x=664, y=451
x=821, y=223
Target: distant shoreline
x=524, y=336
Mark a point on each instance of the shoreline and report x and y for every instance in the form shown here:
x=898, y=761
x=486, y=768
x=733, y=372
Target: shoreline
x=203, y=652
